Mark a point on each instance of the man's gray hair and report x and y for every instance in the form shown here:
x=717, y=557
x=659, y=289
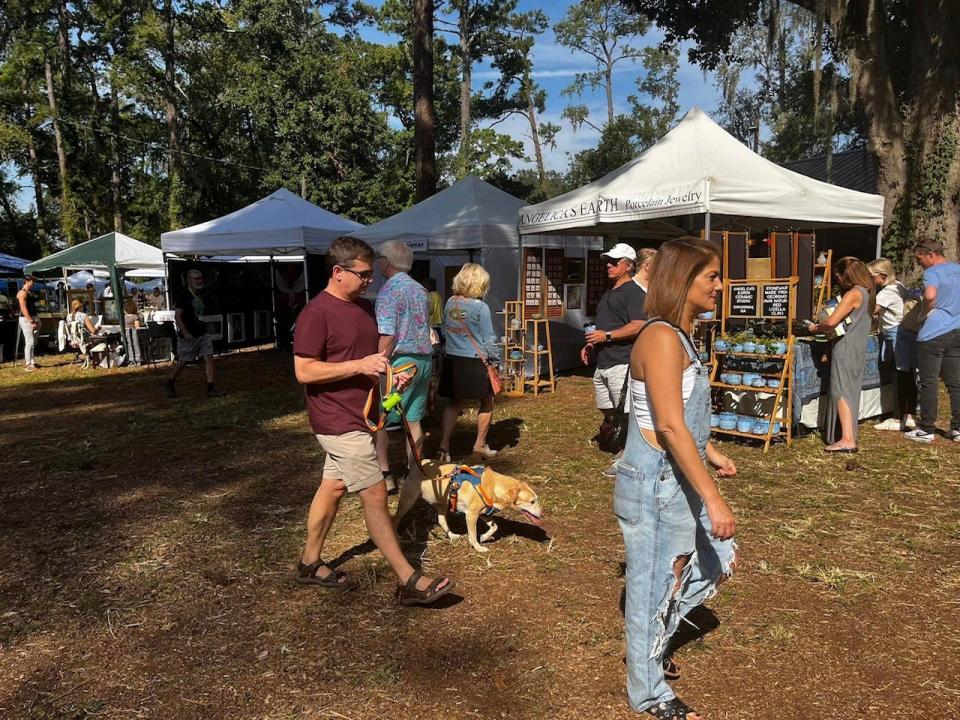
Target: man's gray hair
x=398, y=255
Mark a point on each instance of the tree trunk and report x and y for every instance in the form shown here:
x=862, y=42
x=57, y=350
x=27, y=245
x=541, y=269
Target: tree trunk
x=608, y=80
x=174, y=155
x=933, y=123
x=63, y=40
x=535, y=132
x=466, y=89
x=116, y=177
x=67, y=214
x=424, y=117
x=37, y=189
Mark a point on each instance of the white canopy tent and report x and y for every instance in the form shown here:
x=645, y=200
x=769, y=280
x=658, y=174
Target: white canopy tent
x=698, y=169
x=280, y=224
x=472, y=221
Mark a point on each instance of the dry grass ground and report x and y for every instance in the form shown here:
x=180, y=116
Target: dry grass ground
x=148, y=547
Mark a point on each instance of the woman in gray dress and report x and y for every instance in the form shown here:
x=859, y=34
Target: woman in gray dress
x=848, y=358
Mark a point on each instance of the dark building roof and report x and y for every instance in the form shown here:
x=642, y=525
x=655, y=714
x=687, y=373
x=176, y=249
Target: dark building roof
x=851, y=169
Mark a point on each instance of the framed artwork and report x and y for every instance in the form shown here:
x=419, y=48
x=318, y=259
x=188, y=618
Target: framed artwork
x=214, y=325
x=573, y=297
x=236, y=331
x=261, y=324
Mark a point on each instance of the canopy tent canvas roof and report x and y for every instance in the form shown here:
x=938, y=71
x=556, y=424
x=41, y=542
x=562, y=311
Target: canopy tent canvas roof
x=470, y=214
x=280, y=224
x=11, y=265
x=694, y=169
x=107, y=251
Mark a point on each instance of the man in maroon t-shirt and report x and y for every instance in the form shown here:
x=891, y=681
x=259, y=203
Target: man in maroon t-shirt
x=336, y=359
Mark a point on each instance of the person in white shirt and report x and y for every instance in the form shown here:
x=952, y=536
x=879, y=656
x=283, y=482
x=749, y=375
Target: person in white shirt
x=899, y=346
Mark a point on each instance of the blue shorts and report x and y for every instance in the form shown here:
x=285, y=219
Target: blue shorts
x=417, y=392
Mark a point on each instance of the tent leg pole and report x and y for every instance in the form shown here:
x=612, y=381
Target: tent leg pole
x=520, y=271
x=273, y=306
x=166, y=279
x=306, y=277
x=879, y=240
x=706, y=226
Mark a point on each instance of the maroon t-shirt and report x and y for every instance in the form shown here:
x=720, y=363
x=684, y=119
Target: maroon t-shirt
x=335, y=330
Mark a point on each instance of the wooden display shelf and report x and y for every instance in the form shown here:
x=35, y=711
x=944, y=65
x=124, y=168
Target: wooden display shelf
x=753, y=436
x=537, y=352
x=754, y=355
x=750, y=388
x=538, y=383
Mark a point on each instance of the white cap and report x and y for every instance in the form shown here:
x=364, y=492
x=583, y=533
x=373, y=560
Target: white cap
x=621, y=251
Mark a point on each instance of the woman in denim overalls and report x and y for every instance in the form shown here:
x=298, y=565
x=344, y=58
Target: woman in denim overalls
x=677, y=529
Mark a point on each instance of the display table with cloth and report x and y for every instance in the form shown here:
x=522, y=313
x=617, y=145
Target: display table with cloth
x=811, y=381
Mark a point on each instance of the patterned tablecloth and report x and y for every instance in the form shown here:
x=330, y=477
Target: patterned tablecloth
x=811, y=374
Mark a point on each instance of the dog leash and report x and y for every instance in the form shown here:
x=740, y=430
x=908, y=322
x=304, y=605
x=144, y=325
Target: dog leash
x=391, y=399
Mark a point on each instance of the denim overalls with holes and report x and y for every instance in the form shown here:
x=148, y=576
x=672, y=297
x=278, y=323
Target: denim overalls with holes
x=662, y=518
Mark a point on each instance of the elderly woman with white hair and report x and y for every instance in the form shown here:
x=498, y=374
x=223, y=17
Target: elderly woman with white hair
x=471, y=344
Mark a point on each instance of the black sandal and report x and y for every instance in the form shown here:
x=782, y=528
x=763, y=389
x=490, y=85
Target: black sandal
x=409, y=595
x=675, y=709
x=671, y=671
x=336, y=579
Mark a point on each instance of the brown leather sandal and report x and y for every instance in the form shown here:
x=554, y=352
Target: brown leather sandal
x=409, y=595
x=336, y=579
x=673, y=709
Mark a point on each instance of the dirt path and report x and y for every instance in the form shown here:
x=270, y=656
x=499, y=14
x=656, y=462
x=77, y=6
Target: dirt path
x=148, y=549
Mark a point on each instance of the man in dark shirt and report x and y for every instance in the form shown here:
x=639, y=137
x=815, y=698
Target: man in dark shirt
x=620, y=315
x=337, y=361
x=194, y=341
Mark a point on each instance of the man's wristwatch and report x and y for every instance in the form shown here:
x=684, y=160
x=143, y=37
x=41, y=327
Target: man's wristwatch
x=609, y=336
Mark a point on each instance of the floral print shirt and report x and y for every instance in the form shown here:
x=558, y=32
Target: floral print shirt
x=403, y=311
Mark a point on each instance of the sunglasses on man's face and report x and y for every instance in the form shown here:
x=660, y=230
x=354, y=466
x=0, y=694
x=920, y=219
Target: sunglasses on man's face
x=365, y=276
x=613, y=261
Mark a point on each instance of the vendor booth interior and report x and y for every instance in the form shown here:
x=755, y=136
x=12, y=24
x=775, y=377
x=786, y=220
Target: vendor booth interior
x=778, y=231
x=272, y=259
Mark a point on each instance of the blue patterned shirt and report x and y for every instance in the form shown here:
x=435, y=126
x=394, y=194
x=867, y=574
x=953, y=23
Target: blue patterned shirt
x=403, y=311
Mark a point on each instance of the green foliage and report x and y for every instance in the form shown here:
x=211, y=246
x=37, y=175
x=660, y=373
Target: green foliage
x=602, y=30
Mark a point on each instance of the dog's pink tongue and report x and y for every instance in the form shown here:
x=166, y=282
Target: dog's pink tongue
x=533, y=518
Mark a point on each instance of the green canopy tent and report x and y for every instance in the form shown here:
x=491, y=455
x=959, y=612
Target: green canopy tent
x=112, y=252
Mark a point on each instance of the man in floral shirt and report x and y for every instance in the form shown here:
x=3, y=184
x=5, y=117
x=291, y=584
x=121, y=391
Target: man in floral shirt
x=403, y=320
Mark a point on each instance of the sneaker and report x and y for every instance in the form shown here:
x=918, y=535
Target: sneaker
x=889, y=424
x=171, y=389
x=919, y=435
x=485, y=452
x=214, y=393
x=911, y=424
x=30, y=368
x=611, y=471
x=954, y=435
x=391, y=484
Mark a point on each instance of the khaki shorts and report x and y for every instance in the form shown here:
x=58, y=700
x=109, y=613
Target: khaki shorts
x=190, y=350
x=608, y=386
x=351, y=457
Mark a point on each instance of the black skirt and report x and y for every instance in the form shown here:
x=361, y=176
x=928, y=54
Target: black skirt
x=464, y=379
